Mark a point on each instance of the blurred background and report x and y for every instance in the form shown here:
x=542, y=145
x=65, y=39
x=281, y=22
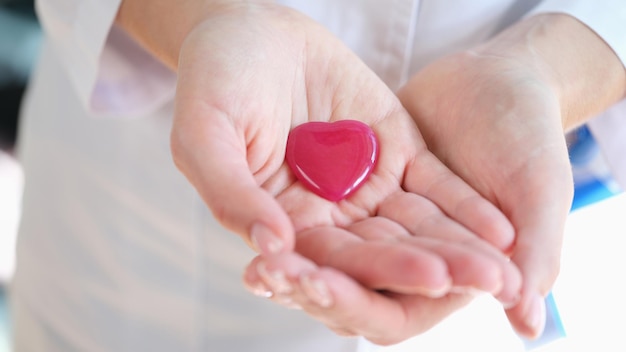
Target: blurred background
x=20, y=37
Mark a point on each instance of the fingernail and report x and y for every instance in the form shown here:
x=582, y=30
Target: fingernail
x=510, y=303
x=276, y=280
x=536, y=315
x=317, y=291
x=259, y=289
x=441, y=291
x=264, y=240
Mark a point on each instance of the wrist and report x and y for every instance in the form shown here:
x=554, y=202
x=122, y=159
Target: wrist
x=161, y=26
x=582, y=70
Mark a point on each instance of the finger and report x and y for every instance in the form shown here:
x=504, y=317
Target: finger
x=427, y=176
x=330, y=296
x=336, y=300
x=539, y=266
x=467, y=267
x=212, y=155
x=275, y=277
x=424, y=313
x=376, y=264
x=388, y=319
x=423, y=219
x=539, y=217
x=537, y=254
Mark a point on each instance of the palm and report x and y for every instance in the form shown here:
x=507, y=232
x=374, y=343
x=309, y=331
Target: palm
x=496, y=124
x=267, y=79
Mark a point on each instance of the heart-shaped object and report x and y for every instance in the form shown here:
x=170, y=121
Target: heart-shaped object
x=332, y=159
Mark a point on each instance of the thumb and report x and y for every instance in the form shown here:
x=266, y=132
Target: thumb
x=210, y=153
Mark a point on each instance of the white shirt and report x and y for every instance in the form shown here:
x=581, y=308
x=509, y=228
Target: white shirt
x=395, y=38
x=116, y=251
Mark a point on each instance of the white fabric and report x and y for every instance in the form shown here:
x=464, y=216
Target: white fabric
x=78, y=29
x=116, y=251
x=608, y=130
x=607, y=18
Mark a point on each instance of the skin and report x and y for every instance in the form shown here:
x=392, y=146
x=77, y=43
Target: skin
x=249, y=72
x=496, y=115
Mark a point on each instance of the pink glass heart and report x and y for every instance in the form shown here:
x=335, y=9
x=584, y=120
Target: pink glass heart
x=332, y=159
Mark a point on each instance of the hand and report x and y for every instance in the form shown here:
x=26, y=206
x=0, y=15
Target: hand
x=251, y=73
x=247, y=75
x=496, y=116
x=369, y=250
x=345, y=307
x=497, y=125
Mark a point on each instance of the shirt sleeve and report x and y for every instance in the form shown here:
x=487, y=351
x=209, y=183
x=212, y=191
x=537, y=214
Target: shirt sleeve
x=111, y=74
x=607, y=19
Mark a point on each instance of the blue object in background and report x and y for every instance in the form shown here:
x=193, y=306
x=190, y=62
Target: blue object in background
x=20, y=38
x=4, y=323
x=592, y=176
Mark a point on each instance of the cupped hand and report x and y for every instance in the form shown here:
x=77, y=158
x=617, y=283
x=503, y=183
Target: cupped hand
x=247, y=74
x=388, y=257
x=497, y=114
x=495, y=120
